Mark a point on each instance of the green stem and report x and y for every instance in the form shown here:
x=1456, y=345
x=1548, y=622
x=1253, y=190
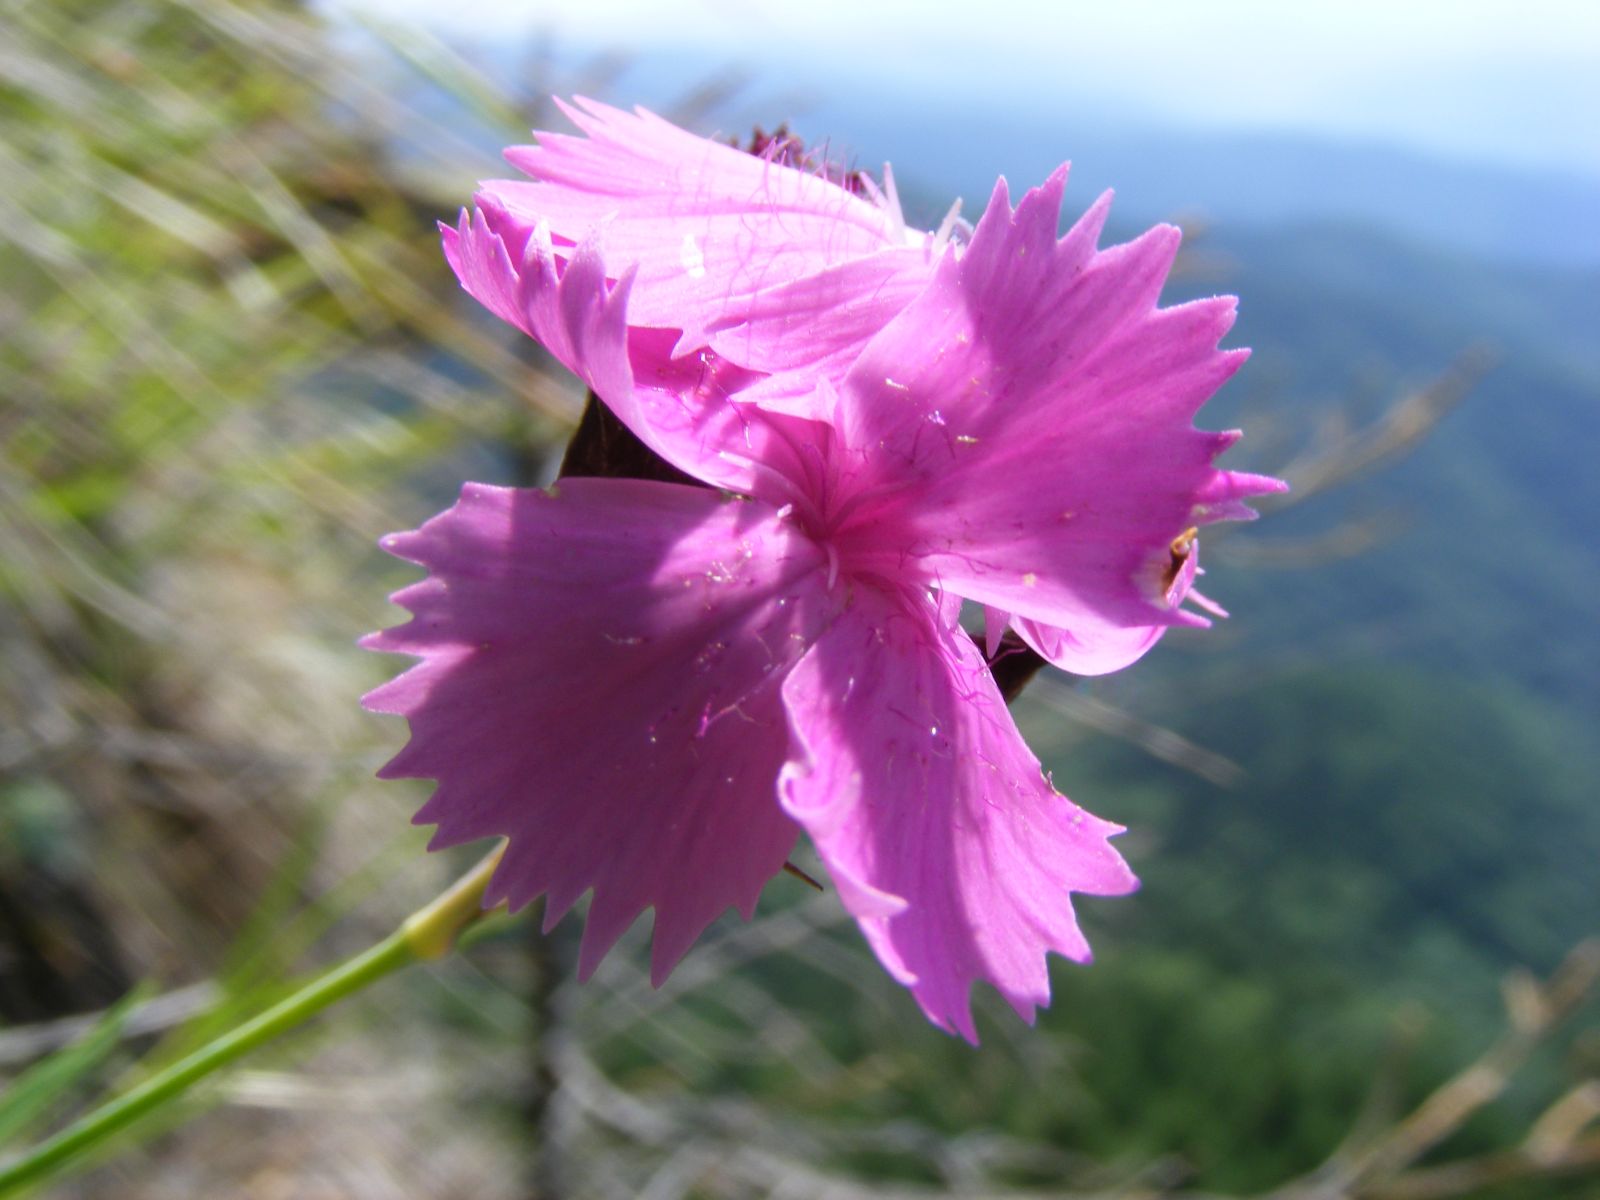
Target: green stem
x=426, y=934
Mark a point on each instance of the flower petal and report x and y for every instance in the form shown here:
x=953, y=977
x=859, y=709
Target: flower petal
x=682, y=408
x=1099, y=649
x=819, y=325
x=708, y=225
x=1021, y=434
x=599, y=684
x=946, y=842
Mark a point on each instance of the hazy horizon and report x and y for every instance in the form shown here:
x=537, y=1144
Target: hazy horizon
x=1468, y=82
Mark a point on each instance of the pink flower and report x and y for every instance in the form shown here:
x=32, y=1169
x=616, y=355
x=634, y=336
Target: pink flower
x=651, y=688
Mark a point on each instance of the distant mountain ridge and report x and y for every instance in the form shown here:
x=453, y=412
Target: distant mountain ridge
x=955, y=144
x=943, y=145
x=1500, y=214
x=1488, y=567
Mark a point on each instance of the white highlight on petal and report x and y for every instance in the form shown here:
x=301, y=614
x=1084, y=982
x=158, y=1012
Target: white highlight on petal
x=692, y=257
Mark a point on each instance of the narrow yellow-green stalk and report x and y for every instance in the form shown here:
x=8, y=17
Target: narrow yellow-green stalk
x=427, y=934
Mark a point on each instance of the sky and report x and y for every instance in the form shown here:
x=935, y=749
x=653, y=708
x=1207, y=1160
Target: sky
x=1509, y=83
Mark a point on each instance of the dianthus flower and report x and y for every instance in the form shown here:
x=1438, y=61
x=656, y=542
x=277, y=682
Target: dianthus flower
x=650, y=688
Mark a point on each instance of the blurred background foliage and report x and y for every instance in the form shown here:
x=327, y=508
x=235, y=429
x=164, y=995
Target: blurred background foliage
x=231, y=357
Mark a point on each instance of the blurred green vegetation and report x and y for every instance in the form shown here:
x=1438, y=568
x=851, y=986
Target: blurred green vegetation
x=229, y=361
x=227, y=350
x=231, y=357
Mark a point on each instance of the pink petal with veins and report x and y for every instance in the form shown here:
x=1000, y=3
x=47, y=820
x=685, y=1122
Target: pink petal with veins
x=951, y=849
x=683, y=408
x=709, y=226
x=1021, y=434
x=599, y=683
